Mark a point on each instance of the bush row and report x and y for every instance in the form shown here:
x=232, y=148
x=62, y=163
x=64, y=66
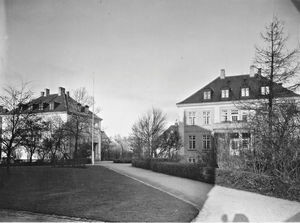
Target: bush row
x=67, y=162
x=242, y=180
x=191, y=171
x=122, y=160
x=258, y=183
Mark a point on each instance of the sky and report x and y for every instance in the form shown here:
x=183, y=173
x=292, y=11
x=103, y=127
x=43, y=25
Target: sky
x=140, y=53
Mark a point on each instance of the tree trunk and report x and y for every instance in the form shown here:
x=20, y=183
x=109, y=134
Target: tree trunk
x=30, y=158
x=76, y=139
x=8, y=160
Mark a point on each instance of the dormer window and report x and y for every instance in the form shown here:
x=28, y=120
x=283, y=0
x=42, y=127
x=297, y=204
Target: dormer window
x=225, y=93
x=245, y=92
x=51, y=106
x=207, y=95
x=264, y=90
x=41, y=107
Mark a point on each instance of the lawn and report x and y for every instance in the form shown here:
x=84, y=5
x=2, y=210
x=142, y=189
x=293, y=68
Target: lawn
x=93, y=192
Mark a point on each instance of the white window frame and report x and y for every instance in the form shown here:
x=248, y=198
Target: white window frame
x=234, y=145
x=245, y=92
x=41, y=106
x=225, y=93
x=192, y=142
x=265, y=90
x=224, y=115
x=206, y=117
x=51, y=106
x=206, y=139
x=234, y=113
x=244, y=116
x=207, y=95
x=191, y=118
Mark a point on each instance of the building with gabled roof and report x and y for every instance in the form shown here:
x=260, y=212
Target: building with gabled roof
x=63, y=107
x=213, y=113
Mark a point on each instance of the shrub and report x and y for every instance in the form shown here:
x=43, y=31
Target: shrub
x=191, y=171
x=258, y=183
x=143, y=163
x=122, y=160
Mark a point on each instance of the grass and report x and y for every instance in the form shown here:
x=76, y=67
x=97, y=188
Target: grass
x=94, y=193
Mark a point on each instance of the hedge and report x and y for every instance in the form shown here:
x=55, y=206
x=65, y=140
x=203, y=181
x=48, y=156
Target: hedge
x=60, y=163
x=242, y=180
x=122, y=160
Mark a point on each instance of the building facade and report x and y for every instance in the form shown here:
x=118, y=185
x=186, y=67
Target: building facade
x=57, y=109
x=216, y=115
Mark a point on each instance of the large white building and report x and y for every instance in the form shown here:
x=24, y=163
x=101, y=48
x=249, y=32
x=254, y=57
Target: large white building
x=60, y=107
x=215, y=113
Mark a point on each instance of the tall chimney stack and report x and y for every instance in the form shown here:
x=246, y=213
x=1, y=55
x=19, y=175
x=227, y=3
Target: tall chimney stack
x=222, y=74
x=61, y=91
x=47, y=91
x=252, y=71
x=259, y=71
x=42, y=94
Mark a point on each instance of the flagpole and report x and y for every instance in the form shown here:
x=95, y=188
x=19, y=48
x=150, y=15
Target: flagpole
x=93, y=156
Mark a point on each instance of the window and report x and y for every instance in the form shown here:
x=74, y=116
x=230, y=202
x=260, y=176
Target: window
x=30, y=107
x=206, y=117
x=41, y=106
x=206, y=141
x=191, y=118
x=234, y=115
x=245, y=92
x=224, y=115
x=225, y=93
x=207, y=95
x=51, y=106
x=192, y=160
x=244, y=116
x=265, y=90
x=245, y=140
x=234, y=144
x=192, y=142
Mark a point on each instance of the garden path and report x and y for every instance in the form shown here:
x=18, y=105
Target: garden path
x=215, y=203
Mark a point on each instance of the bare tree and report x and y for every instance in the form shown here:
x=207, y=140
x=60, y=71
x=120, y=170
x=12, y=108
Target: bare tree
x=33, y=130
x=56, y=143
x=81, y=96
x=277, y=63
x=148, y=129
x=170, y=142
x=123, y=142
x=274, y=120
x=14, y=103
x=79, y=122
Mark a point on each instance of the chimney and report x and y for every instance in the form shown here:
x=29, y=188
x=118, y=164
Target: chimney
x=86, y=109
x=259, y=71
x=222, y=74
x=252, y=73
x=61, y=91
x=68, y=94
x=47, y=91
x=42, y=94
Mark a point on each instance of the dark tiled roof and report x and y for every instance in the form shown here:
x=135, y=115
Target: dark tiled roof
x=62, y=103
x=59, y=100
x=234, y=84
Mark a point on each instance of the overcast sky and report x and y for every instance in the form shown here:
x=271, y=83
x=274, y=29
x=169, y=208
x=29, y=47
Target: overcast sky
x=142, y=53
